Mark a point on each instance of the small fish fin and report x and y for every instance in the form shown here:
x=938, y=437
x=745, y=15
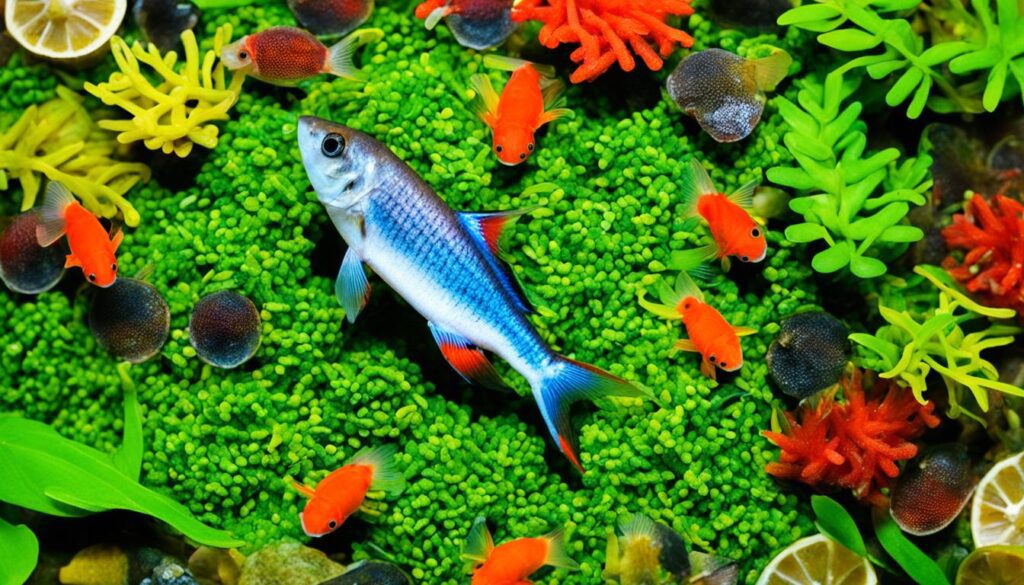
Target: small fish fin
x=771, y=70
x=553, y=94
x=686, y=287
x=467, y=359
x=486, y=103
x=339, y=60
x=51, y=224
x=726, y=264
x=663, y=311
x=708, y=369
x=695, y=183
x=639, y=525
x=612, y=562
x=702, y=274
x=744, y=196
x=116, y=238
x=351, y=286
x=303, y=489
x=505, y=63
x=386, y=475
x=479, y=543
x=555, y=114
x=565, y=381
x=685, y=344
x=436, y=15
x=710, y=570
x=72, y=261
x=692, y=259
x=557, y=555
x=744, y=331
x=486, y=229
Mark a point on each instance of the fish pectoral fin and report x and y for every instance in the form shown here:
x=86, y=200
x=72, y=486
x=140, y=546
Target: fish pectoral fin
x=467, y=359
x=72, y=261
x=116, y=238
x=744, y=331
x=486, y=103
x=552, y=115
x=351, y=286
x=744, y=196
x=708, y=369
x=685, y=344
x=303, y=489
x=479, y=543
x=486, y=229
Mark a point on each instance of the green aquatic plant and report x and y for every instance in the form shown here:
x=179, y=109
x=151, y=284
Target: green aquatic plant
x=19, y=552
x=178, y=112
x=856, y=201
x=58, y=140
x=910, y=346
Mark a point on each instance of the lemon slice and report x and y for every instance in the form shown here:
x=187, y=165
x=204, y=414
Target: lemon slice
x=997, y=514
x=64, y=29
x=992, y=565
x=818, y=560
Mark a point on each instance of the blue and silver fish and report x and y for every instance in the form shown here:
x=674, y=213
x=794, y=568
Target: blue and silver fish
x=446, y=265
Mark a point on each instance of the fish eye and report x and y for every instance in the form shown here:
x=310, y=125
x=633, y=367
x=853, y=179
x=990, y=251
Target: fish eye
x=243, y=55
x=333, y=145
x=712, y=358
x=498, y=148
x=755, y=233
x=522, y=156
x=723, y=365
x=332, y=524
x=113, y=267
x=92, y=277
x=745, y=258
x=530, y=146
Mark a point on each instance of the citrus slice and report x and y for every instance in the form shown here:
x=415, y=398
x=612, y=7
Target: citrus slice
x=992, y=565
x=818, y=560
x=64, y=29
x=997, y=514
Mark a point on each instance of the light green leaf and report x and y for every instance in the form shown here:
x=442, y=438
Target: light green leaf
x=975, y=61
x=832, y=259
x=874, y=224
x=849, y=39
x=866, y=267
x=904, y=87
x=806, y=232
x=943, y=52
x=128, y=458
x=807, y=13
x=994, y=87
x=836, y=523
x=921, y=569
x=19, y=553
x=901, y=234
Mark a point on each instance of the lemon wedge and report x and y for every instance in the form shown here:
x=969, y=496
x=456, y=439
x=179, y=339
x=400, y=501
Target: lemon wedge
x=818, y=560
x=992, y=565
x=997, y=514
x=64, y=30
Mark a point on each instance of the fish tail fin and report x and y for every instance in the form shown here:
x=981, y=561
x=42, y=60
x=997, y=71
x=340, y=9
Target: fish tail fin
x=771, y=70
x=557, y=556
x=693, y=259
x=340, y=56
x=695, y=184
x=51, y=216
x=479, y=542
x=638, y=525
x=386, y=475
x=485, y=104
x=565, y=381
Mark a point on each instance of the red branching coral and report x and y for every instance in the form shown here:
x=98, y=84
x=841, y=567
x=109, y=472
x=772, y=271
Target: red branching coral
x=607, y=30
x=993, y=266
x=853, y=444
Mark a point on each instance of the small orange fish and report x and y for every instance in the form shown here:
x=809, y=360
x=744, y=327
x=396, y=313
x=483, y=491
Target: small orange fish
x=526, y=103
x=735, y=232
x=283, y=55
x=513, y=562
x=92, y=248
x=709, y=333
x=343, y=492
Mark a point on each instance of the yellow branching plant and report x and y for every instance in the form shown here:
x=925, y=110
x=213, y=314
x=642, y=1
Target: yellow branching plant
x=179, y=111
x=59, y=141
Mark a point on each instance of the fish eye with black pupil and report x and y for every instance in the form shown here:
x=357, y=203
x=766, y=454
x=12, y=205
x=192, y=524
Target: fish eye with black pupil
x=332, y=524
x=113, y=267
x=756, y=233
x=498, y=148
x=243, y=55
x=333, y=145
x=530, y=147
x=92, y=277
x=712, y=358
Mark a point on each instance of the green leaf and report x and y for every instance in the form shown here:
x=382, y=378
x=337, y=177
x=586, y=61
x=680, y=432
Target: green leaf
x=888, y=352
x=806, y=232
x=975, y=61
x=943, y=52
x=849, y=39
x=867, y=267
x=903, y=87
x=876, y=223
x=128, y=458
x=19, y=553
x=921, y=569
x=832, y=259
x=994, y=88
x=901, y=234
x=836, y=523
x=808, y=13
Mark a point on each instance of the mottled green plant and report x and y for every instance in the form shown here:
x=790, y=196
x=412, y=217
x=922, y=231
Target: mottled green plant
x=852, y=199
x=910, y=347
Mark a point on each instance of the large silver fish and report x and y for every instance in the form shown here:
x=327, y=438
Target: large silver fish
x=445, y=264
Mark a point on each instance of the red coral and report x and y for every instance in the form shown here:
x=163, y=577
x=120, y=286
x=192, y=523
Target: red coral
x=853, y=444
x=604, y=28
x=993, y=266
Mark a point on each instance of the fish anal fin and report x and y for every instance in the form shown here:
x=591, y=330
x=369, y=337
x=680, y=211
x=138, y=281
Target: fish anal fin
x=708, y=369
x=116, y=239
x=351, y=287
x=436, y=15
x=685, y=344
x=467, y=359
x=486, y=229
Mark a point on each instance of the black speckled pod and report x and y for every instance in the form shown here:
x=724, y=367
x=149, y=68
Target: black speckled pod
x=130, y=319
x=932, y=490
x=371, y=573
x=809, y=354
x=25, y=266
x=225, y=329
x=331, y=17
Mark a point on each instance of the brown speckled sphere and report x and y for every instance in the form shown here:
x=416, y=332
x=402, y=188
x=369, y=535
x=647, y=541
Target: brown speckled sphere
x=331, y=17
x=25, y=266
x=809, y=354
x=932, y=490
x=225, y=329
x=130, y=319
x=718, y=89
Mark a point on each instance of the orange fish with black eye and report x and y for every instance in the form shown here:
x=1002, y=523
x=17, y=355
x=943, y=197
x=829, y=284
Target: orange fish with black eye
x=344, y=491
x=528, y=101
x=734, y=231
x=513, y=562
x=92, y=247
x=709, y=333
x=284, y=55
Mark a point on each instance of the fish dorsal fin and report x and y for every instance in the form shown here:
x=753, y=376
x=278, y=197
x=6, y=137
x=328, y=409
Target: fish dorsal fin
x=479, y=544
x=303, y=489
x=771, y=70
x=51, y=224
x=557, y=555
x=553, y=94
x=744, y=196
x=485, y=104
x=504, y=63
x=386, y=475
x=743, y=331
x=116, y=237
x=467, y=359
x=638, y=526
x=686, y=287
x=486, y=229
x=695, y=184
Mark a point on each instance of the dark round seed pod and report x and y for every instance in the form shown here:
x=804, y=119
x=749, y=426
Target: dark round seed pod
x=932, y=490
x=25, y=266
x=225, y=329
x=809, y=354
x=130, y=319
x=371, y=573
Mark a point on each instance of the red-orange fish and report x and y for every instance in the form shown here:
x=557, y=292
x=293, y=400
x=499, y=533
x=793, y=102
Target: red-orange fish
x=92, y=248
x=526, y=103
x=284, y=55
x=735, y=232
x=709, y=333
x=513, y=562
x=343, y=492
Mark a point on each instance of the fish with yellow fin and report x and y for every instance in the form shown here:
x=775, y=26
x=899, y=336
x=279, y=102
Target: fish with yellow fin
x=645, y=552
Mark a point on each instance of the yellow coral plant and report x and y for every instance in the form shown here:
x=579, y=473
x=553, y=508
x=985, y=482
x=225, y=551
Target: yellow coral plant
x=180, y=110
x=58, y=140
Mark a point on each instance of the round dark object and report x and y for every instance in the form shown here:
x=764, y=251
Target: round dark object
x=760, y=14
x=130, y=319
x=163, y=21
x=932, y=490
x=483, y=32
x=371, y=573
x=809, y=354
x=25, y=266
x=331, y=17
x=225, y=329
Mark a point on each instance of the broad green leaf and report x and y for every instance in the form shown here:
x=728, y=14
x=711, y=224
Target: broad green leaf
x=867, y=267
x=943, y=52
x=849, y=39
x=795, y=117
x=802, y=233
x=903, y=87
x=901, y=234
x=994, y=87
x=921, y=569
x=807, y=13
x=920, y=99
x=832, y=259
x=874, y=224
x=836, y=523
x=128, y=458
x=975, y=61
x=790, y=177
x=19, y=553
x=880, y=70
